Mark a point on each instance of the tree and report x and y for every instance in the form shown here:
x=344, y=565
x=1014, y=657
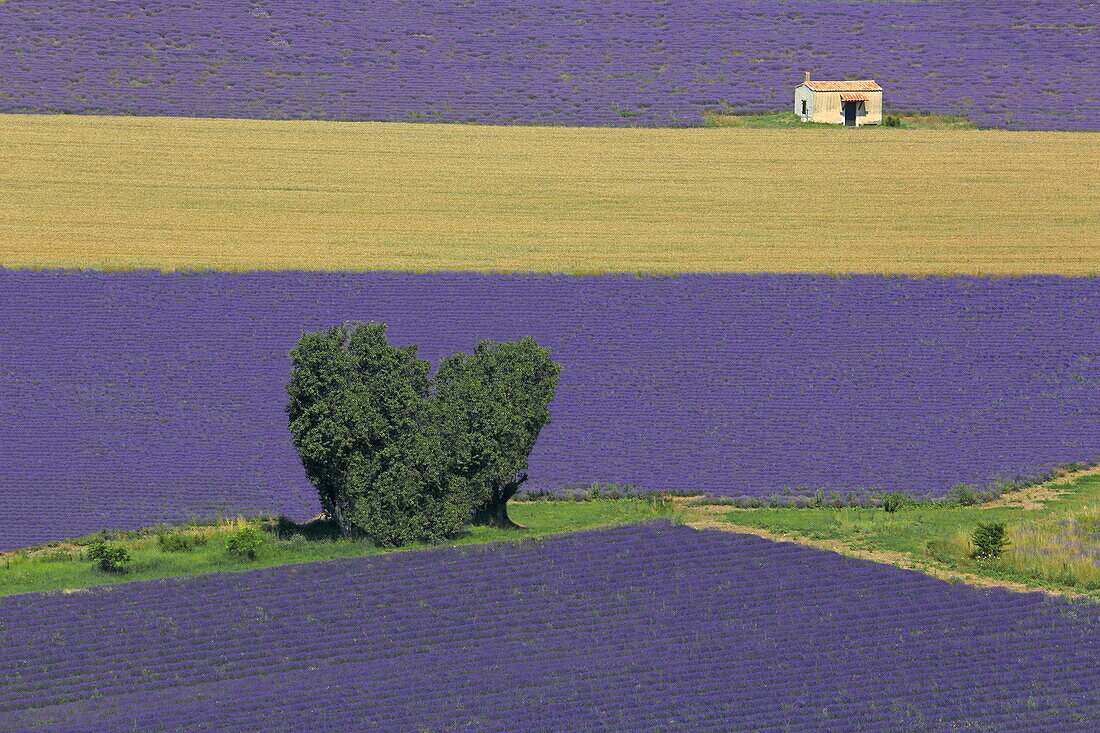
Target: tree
x=492, y=405
x=402, y=457
x=364, y=426
x=323, y=416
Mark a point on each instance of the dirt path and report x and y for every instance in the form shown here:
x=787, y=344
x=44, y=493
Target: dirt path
x=709, y=517
x=1033, y=496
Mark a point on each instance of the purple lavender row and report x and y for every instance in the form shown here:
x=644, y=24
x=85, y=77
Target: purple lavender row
x=132, y=398
x=622, y=62
x=640, y=627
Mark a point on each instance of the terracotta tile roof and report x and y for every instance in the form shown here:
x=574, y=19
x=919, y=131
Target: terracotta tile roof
x=851, y=97
x=861, y=85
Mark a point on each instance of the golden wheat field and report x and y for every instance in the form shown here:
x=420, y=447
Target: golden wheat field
x=174, y=193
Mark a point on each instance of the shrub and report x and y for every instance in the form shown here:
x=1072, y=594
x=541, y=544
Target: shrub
x=110, y=558
x=891, y=121
x=245, y=541
x=893, y=501
x=989, y=540
x=963, y=494
x=170, y=542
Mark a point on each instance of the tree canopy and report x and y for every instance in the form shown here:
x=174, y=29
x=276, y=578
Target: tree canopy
x=401, y=456
x=494, y=403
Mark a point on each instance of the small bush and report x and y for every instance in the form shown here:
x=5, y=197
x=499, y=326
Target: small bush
x=964, y=495
x=891, y=121
x=110, y=558
x=245, y=541
x=893, y=501
x=55, y=556
x=179, y=542
x=989, y=540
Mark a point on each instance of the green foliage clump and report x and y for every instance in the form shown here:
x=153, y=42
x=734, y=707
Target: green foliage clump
x=989, y=540
x=964, y=495
x=245, y=541
x=492, y=404
x=893, y=501
x=891, y=121
x=175, y=542
x=368, y=438
x=402, y=457
x=110, y=558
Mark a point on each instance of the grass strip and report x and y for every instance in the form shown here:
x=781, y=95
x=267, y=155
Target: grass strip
x=1054, y=541
x=64, y=566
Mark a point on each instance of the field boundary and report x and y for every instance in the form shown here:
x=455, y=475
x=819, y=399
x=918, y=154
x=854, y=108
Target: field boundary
x=1031, y=498
x=697, y=518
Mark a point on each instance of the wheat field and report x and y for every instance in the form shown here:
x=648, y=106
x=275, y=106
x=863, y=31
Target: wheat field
x=176, y=193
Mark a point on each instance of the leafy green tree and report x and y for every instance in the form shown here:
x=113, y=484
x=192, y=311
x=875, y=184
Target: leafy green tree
x=492, y=405
x=367, y=432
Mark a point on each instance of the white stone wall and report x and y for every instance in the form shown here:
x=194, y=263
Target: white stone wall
x=802, y=94
x=873, y=107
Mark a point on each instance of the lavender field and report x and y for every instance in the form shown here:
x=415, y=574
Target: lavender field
x=640, y=627
x=571, y=62
x=128, y=398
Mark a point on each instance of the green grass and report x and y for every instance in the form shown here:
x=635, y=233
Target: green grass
x=940, y=534
x=63, y=566
x=773, y=120
x=914, y=121
x=765, y=121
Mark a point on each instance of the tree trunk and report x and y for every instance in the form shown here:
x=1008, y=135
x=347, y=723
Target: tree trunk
x=334, y=505
x=336, y=509
x=495, y=512
x=341, y=519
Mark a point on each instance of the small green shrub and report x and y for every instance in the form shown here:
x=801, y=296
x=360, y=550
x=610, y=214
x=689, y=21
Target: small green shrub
x=110, y=558
x=171, y=542
x=891, y=121
x=893, y=501
x=964, y=495
x=245, y=541
x=989, y=540
x=55, y=556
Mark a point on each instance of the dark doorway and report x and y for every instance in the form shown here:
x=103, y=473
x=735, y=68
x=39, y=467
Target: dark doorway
x=850, y=113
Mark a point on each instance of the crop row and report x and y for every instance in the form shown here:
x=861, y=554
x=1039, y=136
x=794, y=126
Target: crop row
x=638, y=626
x=130, y=398
x=622, y=62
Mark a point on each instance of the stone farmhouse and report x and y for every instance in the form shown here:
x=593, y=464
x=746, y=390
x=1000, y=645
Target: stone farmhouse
x=851, y=103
